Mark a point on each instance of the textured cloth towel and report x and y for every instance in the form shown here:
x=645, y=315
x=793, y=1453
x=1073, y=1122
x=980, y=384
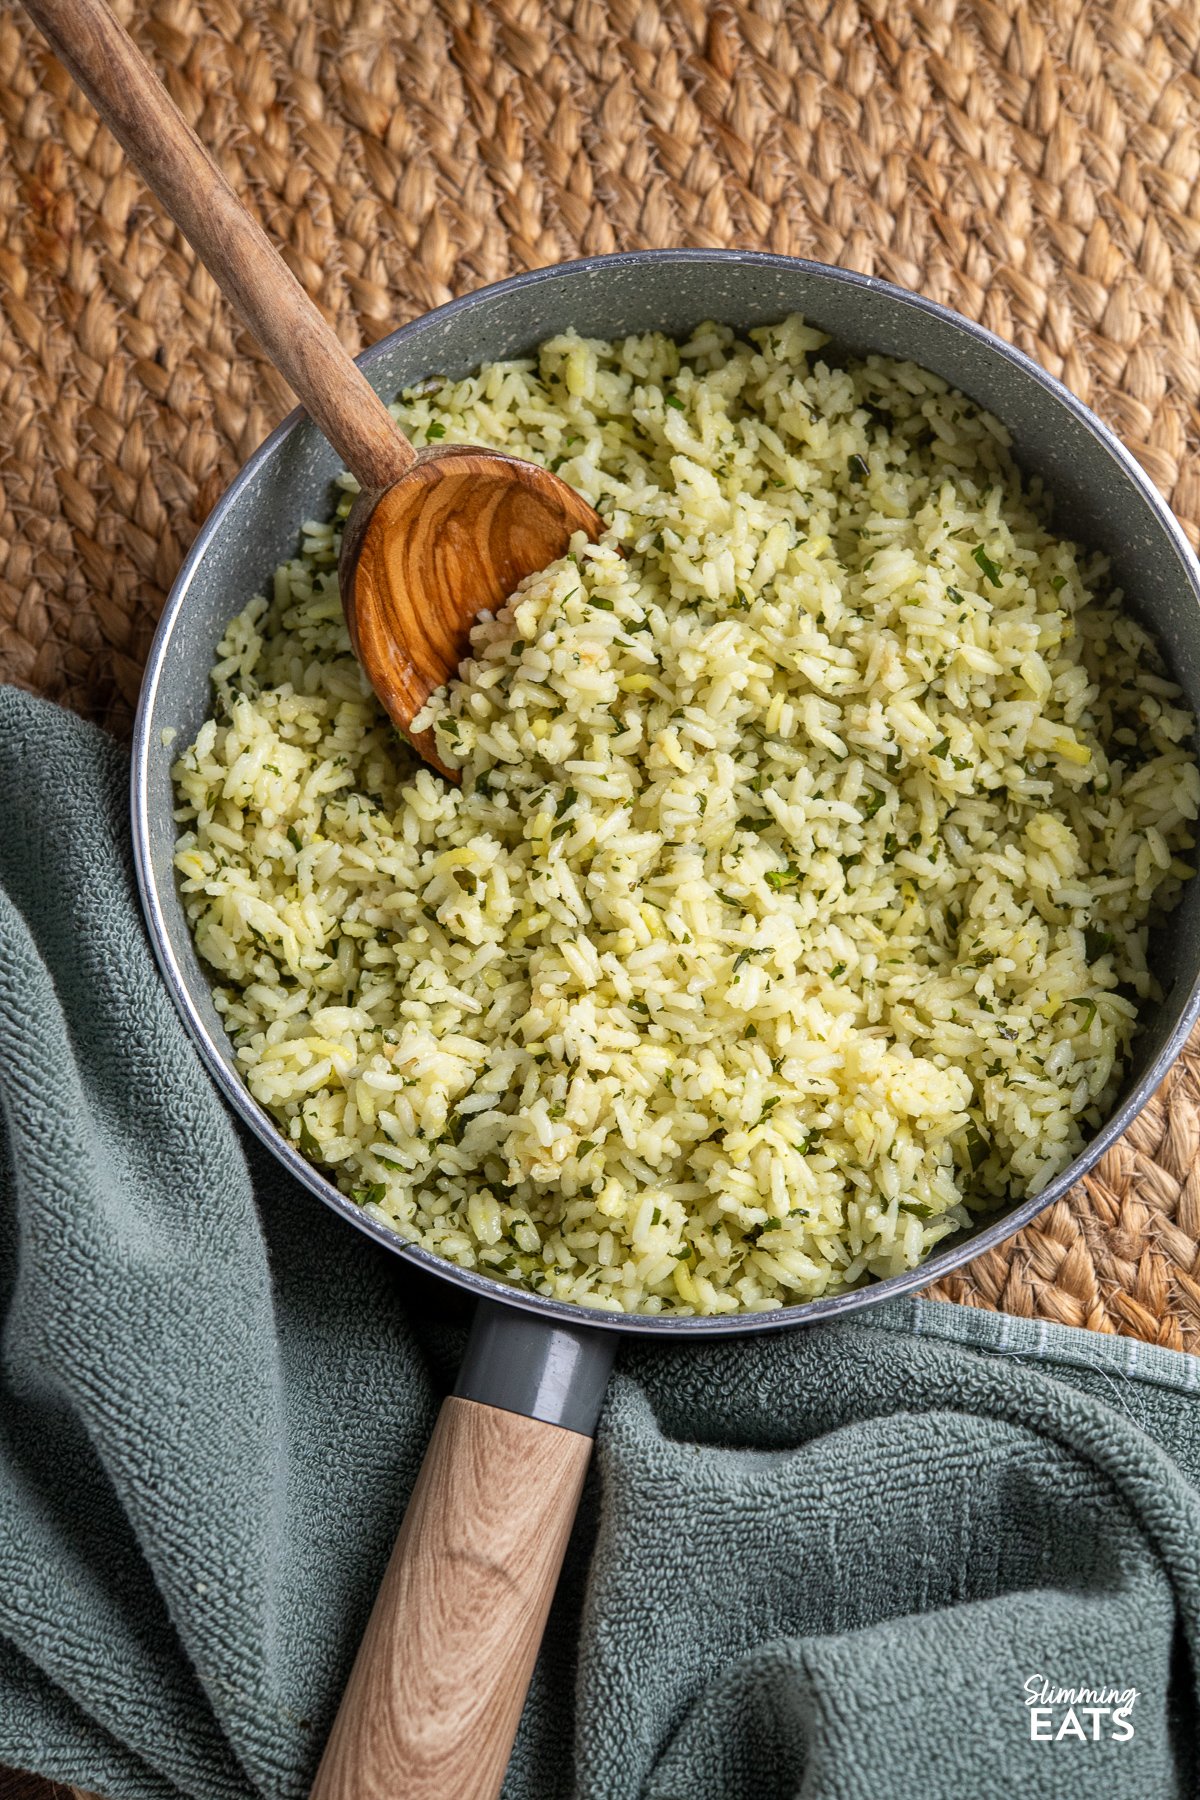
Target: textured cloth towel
x=836, y=1562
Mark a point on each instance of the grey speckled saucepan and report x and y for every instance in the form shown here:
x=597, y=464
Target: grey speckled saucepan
x=1100, y=496
x=544, y=1359
x=540, y=1358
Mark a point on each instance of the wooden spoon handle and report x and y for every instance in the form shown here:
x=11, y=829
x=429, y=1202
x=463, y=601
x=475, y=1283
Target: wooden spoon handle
x=433, y=1701
x=247, y=268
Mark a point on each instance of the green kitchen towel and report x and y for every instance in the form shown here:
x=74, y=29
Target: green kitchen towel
x=927, y=1553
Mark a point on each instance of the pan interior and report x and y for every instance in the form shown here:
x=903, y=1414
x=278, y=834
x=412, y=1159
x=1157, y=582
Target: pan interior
x=1099, y=497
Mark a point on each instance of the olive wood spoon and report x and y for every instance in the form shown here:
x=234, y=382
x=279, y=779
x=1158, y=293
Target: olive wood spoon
x=436, y=536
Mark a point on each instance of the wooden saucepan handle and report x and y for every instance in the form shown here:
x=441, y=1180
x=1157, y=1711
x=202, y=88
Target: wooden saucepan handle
x=434, y=1697
x=247, y=268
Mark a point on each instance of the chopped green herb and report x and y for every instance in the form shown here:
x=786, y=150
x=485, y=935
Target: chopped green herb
x=942, y=749
x=370, y=1195
x=1058, y=583
x=1088, y=1005
x=878, y=799
x=673, y=400
x=601, y=605
x=569, y=797
x=990, y=569
x=781, y=878
x=587, y=1144
x=435, y=431
x=1096, y=943
x=294, y=838
x=857, y=466
x=837, y=969
x=560, y=830
x=743, y=956
x=976, y=1145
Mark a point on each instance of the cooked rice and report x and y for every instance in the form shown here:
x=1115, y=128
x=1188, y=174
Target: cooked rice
x=796, y=897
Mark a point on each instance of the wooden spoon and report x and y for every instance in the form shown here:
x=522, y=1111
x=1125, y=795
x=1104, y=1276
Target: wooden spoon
x=436, y=536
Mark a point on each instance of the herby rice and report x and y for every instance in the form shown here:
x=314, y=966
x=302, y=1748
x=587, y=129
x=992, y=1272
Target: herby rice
x=796, y=897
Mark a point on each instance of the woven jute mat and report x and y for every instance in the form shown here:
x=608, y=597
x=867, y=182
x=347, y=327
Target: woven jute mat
x=1033, y=165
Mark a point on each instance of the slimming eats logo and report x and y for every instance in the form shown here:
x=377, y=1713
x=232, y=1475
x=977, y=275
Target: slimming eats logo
x=1089, y=1715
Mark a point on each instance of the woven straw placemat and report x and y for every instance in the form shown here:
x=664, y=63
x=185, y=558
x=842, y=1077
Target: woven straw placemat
x=1033, y=165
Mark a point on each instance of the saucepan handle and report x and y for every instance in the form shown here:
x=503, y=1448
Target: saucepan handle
x=436, y=1692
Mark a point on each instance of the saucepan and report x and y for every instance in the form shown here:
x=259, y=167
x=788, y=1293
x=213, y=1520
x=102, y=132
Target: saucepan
x=437, y=1689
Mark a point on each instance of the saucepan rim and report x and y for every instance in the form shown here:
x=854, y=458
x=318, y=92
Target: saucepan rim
x=486, y=1287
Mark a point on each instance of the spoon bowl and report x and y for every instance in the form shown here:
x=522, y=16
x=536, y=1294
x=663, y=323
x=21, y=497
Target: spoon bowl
x=452, y=538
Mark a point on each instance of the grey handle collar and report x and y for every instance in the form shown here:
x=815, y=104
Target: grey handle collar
x=523, y=1364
